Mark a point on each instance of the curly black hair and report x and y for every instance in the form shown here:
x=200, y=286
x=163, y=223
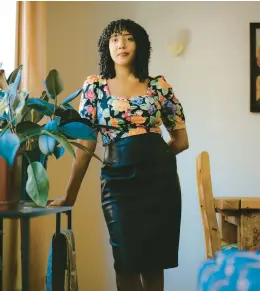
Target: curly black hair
x=143, y=49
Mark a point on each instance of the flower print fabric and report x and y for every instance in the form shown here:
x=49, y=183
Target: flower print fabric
x=131, y=116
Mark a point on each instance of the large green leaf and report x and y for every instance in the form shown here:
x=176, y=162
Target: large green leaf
x=67, y=106
x=58, y=152
x=13, y=75
x=18, y=78
x=26, y=114
x=85, y=149
x=9, y=145
x=71, y=97
x=28, y=127
x=37, y=185
x=54, y=83
x=40, y=106
x=36, y=116
x=47, y=144
x=78, y=130
x=13, y=87
x=62, y=140
x=19, y=109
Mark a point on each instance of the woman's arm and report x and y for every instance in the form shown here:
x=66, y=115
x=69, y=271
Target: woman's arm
x=88, y=110
x=79, y=167
x=179, y=141
x=173, y=116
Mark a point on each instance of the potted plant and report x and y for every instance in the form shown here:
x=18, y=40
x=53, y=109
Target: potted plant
x=24, y=135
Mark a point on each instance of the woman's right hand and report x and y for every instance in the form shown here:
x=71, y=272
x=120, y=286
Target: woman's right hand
x=79, y=168
x=59, y=202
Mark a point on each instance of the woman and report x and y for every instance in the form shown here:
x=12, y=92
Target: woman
x=141, y=196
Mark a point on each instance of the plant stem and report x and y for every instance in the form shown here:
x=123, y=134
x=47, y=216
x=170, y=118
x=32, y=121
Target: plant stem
x=9, y=124
x=28, y=137
x=27, y=157
x=55, y=106
x=11, y=117
x=37, y=134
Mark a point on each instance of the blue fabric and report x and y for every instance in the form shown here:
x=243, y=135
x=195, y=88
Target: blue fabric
x=231, y=270
x=49, y=271
x=63, y=247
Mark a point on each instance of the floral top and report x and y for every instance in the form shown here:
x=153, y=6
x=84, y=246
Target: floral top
x=131, y=116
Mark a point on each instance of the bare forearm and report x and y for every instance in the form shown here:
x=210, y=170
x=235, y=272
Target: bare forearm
x=78, y=172
x=178, y=147
x=179, y=141
x=79, y=168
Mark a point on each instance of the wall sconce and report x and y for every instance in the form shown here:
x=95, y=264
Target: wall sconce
x=179, y=42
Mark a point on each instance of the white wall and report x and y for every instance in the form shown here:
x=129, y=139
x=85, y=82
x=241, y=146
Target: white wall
x=7, y=47
x=212, y=81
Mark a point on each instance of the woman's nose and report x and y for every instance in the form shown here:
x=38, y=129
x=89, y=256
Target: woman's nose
x=121, y=44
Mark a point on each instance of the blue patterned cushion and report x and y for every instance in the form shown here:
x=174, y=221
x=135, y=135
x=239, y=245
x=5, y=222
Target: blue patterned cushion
x=231, y=270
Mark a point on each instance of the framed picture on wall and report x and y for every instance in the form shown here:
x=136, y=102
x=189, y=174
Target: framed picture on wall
x=255, y=67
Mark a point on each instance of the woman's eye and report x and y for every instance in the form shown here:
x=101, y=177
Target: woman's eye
x=130, y=38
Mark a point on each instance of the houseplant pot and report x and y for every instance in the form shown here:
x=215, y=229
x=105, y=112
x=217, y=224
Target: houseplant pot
x=10, y=183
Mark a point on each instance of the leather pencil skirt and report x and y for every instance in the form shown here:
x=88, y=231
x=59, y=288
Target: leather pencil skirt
x=141, y=201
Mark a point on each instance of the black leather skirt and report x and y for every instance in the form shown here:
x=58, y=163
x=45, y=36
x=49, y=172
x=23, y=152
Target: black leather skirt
x=141, y=201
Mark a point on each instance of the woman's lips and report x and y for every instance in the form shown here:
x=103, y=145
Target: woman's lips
x=123, y=54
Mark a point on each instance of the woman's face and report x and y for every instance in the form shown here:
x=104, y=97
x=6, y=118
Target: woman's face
x=122, y=48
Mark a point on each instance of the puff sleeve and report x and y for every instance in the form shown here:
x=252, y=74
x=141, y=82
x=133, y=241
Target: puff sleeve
x=88, y=100
x=172, y=110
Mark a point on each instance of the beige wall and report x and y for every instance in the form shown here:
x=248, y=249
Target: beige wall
x=212, y=81
x=69, y=52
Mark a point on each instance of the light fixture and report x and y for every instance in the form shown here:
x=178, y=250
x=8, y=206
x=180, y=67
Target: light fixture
x=179, y=41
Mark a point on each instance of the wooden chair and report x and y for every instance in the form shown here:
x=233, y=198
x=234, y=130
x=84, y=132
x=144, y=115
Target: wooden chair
x=212, y=235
